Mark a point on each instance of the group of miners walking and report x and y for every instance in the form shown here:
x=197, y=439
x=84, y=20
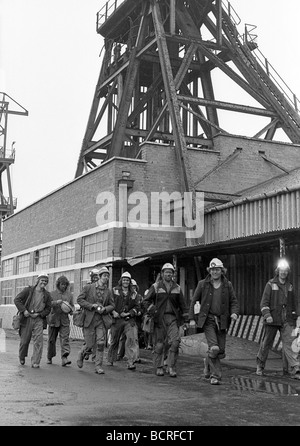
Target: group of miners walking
x=116, y=314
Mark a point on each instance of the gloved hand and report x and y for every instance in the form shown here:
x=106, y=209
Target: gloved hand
x=26, y=313
x=234, y=316
x=269, y=320
x=192, y=323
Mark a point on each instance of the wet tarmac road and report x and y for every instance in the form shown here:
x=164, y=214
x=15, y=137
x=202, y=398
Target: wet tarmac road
x=67, y=396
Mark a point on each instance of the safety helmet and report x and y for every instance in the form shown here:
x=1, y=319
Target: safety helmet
x=66, y=307
x=42, y=276
x=102, y=270
x=215, y=263
x=168, y=266
x=94, y=272
x=283, y=264
x=126, y=275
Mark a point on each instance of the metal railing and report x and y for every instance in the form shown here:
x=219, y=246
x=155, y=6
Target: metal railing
x=231, y=12
x=249, y=37
x=5, y=201
x=106, y=11
x=8, y=153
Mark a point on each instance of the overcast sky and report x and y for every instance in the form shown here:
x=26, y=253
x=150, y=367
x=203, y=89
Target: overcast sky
x=49, y=63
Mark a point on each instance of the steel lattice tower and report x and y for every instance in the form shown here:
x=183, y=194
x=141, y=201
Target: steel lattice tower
x=8, y=106
x=156, y=80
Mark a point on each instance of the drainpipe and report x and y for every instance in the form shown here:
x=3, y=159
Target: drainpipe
x=125, y=183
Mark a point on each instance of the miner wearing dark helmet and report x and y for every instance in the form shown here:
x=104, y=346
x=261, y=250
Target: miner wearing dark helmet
x=62, y=305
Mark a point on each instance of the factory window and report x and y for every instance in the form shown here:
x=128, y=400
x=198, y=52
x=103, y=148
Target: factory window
x=69, y=275
x=6, y=292
x=42, y=259
x=65, y=254
x=84, y=277
x=23, y=264
x=22, y=283
x=7, y=268
x=94, y=247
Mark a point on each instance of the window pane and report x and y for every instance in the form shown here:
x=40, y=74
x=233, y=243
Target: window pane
x=6, y=292
x=42, y=259
x=7, y=268
x=65, y=254
x=94, y=247
x=23, y=263
x=84, y=277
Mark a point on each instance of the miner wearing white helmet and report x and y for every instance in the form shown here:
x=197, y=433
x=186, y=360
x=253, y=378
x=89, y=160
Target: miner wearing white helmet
x=279, y=309
x=95, y=274
x=34, y=305
x=217, y=306
x=97, y=301
x=165, y=301
x=62, y=305
x=124, y=322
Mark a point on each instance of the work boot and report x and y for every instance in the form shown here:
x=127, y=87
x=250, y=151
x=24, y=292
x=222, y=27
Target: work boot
x=214, y=381
x=109, y=363
x=206, y=370
x=65, y=361
x=22, y=361
x=80, y=360
x=49, y=361
x=159, y=371
x=99, y=371
x=131, y=367
x=172, y=372
x=35, y=366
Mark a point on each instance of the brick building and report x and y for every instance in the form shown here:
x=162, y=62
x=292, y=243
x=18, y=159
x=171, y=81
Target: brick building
x=67, y=231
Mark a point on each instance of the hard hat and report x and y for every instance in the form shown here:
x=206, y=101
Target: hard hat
x=42, y=275
x=133, y=282
x=126, y=275
x=66, y=307
x=283, y=264
x=168, y=266
x=102, y=270
x=216, y=263
x=94, y=272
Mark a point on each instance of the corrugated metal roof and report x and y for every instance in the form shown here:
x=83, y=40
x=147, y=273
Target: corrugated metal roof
x=254, y=215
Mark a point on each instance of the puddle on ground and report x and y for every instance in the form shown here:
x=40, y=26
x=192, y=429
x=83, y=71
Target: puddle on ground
x=257, y=385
